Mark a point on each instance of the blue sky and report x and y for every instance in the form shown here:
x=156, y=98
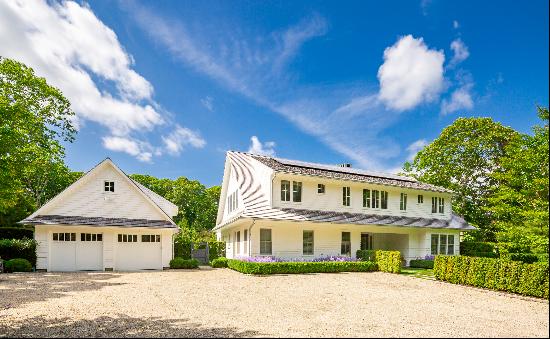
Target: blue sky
x=166, y=87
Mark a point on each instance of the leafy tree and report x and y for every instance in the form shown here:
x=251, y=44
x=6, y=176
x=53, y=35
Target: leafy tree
x=34, y=118
x=463, y=159
x=519, y=206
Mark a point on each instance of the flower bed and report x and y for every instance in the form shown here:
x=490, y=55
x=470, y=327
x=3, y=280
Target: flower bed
x=289, y=267
x=271, y=259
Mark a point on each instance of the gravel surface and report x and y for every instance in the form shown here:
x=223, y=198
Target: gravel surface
x=220, y=302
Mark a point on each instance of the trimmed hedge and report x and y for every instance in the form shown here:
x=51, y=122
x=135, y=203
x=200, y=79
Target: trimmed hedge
x=219, y=262
x=17, y=265
x=18, y=248
x=422, y=263
x=481, y=254
x=470, y=247
x=300, y=267
x=496, y=274
x=177, y=263
x=387, y=261
x=16, y=233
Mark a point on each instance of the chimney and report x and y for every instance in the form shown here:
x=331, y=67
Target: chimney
x=345, y=165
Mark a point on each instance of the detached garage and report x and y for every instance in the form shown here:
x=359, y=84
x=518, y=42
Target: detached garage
x=105, y=221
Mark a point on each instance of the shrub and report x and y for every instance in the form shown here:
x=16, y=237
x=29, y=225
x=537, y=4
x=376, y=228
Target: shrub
x=18, y=248
x=17, y=265
x=470, y=247
x=482, y=254
x=219, y=262
x=16, y=233
x=184, y=263
x=264, y=268
x=387, y=261
x=527, y=258
x=422, y=263
x=216, y=249
x=497, y=274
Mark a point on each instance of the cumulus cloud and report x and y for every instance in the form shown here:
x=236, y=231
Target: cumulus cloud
x=461, y=99
x=415, y=147
x=411, y=74
x=460, y=51
x=140, y=150
x=257, y=147
x=181, y=137
x=68, y=45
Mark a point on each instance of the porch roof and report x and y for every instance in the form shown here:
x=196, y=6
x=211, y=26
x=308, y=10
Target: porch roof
x=96, y=221
x=292, y=214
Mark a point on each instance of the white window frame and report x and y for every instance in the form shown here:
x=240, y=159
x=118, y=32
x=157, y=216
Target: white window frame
x=366, y=198
x=312, y=242
x=441, y=207
x=384, y=196
x=265, y=242
x=285, y=191
x=297, y=190
x=369, y=241
x=447, y=248
x=346, y=196
x=375, y=199
x=403, y=202
x=420, y=199
x=321, y=187
x=108, y=186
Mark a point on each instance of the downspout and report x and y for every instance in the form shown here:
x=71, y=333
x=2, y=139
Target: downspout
x=250, y=237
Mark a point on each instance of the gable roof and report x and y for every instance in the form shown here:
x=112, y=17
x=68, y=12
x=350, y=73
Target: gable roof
x=344, y=173
x=152, y=198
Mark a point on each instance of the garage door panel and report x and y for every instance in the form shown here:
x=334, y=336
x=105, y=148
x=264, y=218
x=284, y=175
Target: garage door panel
x=139, y=255
x=63, y=256
x=89, y=256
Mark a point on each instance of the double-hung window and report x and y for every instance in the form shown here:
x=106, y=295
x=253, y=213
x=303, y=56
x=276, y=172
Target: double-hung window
x=443, y=244
x=345, y=248
x=375, y=201
x=434, y=204
x=420, y=199
x=403, y=202
x=285, y=190
x=245, y=239
x=296, y=191
x=384, y=200
x=320, y=188
x=366, y=197
x=346, y=196
x=441, y=205
x=366, y=241
x=265, y=241
x=307, y=247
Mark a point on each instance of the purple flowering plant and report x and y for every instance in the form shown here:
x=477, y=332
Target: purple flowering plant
x=271, y=259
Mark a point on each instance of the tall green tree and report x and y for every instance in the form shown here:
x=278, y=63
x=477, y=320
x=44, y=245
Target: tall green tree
x=35, y=118
x=519, y=206
x=463, y=158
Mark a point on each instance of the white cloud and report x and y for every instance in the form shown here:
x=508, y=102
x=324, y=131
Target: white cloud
x=257, y=147
x=142, y=151
x=68, y=45
x=461, y=99
x=460, y=51
x=208, y=103
x=415, y=147
x=456, y=25
x=181, y=137
x=411, y=74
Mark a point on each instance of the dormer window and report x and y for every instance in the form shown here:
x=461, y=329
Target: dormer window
x=109, y=186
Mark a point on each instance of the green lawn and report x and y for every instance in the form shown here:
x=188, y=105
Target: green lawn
x=423, y=273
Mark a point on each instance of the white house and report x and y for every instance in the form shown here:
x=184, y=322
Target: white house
x=104, y=221
x=294, y=209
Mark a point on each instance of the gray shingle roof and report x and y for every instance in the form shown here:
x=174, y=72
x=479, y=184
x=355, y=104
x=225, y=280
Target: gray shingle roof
x=344, y=173
x=96, y=221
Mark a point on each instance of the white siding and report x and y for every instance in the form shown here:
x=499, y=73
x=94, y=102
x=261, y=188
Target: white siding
x=88, y=198
x=331, y=200
x=287, y=239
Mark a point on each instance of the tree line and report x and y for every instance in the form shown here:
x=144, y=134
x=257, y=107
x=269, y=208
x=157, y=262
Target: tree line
x=499, y=176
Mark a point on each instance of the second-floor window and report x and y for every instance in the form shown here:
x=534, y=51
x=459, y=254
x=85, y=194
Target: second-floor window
x=438, y=205
x=403, y=202
x=375, y=201
x=285, y=190
x=233, y=201
x=346, y=196
x=321, y=188
x=296, y=191
x=420, y=199
x=366, y=198
x=384, y=200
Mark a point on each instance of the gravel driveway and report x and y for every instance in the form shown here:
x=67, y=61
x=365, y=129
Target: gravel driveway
x=220, y=302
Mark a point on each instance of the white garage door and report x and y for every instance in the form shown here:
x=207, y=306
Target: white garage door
x=138, y=252
x=73, y=251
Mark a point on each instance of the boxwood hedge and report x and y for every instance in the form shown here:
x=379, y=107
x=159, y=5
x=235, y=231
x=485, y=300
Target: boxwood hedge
x=17, y=265
x=300, y=267
x=422, y=263
x=387, y=261
x=497, y=274
x=184, y=263
x=219, y=262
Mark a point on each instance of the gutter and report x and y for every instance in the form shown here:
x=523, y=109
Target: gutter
x=250, y=237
